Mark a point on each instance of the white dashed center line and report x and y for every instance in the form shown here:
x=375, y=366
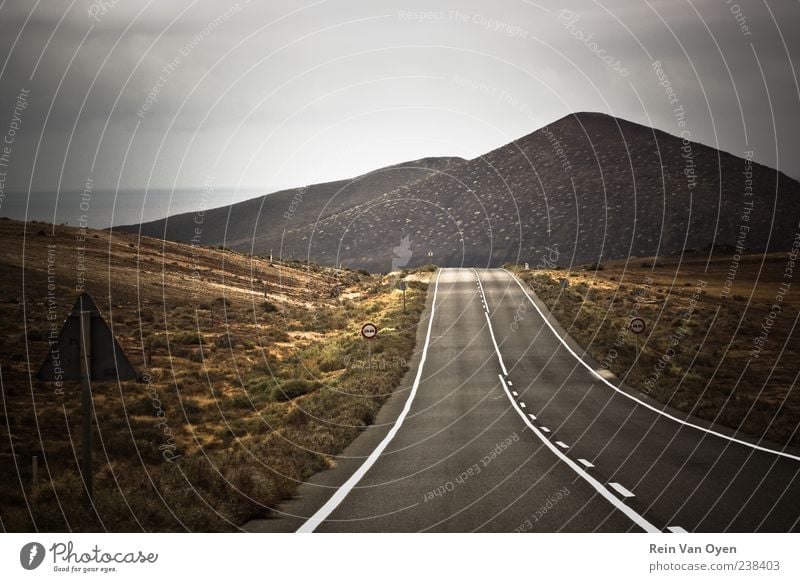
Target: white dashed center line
x=585, y=463
x=676, y=529
x=562, y=445
x=621, y=490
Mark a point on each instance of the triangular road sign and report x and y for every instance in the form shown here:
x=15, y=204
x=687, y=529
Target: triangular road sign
x=107, y=361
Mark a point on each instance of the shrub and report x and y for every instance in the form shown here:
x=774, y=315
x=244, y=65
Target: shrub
x=292, y=389
x=187, y=338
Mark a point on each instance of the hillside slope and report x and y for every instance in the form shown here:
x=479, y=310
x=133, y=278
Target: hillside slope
x=240, y=225
x=590, y=186
x=252, y=376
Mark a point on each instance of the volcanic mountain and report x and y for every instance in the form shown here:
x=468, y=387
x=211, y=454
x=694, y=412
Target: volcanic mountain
x=589, y=187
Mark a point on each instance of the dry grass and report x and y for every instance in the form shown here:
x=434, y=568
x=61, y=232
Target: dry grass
x=244, y=396
x=698, y=350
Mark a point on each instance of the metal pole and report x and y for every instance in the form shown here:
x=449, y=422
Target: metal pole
x=86, y=402
x=404, y=299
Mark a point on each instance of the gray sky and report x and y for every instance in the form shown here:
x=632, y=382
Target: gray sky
x=271, y=94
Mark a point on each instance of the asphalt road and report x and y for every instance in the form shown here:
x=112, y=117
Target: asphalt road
x=499, y=427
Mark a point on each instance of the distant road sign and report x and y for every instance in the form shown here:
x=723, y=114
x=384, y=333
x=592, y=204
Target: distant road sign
x=369, y=330
x=402, y=285
x=637, y=325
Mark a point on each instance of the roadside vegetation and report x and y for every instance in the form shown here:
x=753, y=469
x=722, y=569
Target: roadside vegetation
x=705, y=350
x=256, y=377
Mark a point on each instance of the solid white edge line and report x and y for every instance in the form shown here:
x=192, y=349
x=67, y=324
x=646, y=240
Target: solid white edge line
x=585, y=463
x=621, y=490
x=323, y=512
x=610, y=497
x=631, y=397
x=676, y=529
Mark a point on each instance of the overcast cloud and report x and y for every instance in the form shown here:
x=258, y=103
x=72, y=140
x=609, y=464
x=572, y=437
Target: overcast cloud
x=264, y=95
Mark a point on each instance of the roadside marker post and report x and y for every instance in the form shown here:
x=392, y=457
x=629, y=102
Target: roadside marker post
x=85, y=351
x=402, y=285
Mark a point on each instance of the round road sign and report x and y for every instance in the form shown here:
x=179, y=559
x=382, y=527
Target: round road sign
x=637, y=325
x=369, y=330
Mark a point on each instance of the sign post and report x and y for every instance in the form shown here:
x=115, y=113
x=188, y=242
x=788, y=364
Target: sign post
x=637, y=326
x=402, y=285
x=85, y=351
x=369, y=331
x=86, y=401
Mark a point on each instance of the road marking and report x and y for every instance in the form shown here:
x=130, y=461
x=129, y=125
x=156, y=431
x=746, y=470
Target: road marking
x=676, y=529
x=496, y=349
x=545, y=429
x=562, y=445
x=621, y=490
x=323, y=512
x=491, y=331
x=509, y=383
x=602, y=490
x=522, y=405
x=532, y=417
x=638, y=401
x=514, y=393
x=585, y=463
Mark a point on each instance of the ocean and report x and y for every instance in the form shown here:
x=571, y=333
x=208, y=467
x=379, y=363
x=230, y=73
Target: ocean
x=107, y=208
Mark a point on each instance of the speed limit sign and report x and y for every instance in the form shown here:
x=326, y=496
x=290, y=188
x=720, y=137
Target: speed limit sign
x=369, y=330
x=637, y=325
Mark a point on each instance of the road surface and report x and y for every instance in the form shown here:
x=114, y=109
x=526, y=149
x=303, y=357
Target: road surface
x=499, y=427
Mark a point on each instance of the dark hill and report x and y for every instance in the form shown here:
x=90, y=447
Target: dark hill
x=591, y=186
